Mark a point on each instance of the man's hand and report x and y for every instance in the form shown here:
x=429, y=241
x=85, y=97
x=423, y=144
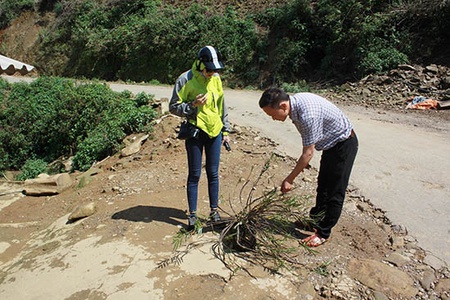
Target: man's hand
x=286, y=186
x=302, y=163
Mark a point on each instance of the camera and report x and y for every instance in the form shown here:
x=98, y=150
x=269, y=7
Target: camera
x=227, y=146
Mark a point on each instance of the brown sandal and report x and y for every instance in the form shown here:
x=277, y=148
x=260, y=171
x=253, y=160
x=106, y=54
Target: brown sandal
x=314, y=240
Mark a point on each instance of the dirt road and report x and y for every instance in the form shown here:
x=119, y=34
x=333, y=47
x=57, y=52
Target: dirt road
x=402, y=164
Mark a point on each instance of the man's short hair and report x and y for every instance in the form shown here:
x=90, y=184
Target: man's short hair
x=273, y=97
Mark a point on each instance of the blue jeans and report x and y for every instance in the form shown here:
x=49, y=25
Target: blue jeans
x=194, y=149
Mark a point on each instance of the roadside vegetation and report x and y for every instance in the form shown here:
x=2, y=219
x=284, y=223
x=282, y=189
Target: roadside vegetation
x=263, y=42
x=56, y=118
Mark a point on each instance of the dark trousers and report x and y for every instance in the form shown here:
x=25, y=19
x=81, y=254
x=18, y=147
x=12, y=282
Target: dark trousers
x=334, y=173
x=194, y=149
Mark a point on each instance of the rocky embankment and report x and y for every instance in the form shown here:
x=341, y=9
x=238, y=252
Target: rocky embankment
x=396, y=88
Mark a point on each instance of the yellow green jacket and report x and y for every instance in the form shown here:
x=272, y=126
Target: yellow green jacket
x=212, y=117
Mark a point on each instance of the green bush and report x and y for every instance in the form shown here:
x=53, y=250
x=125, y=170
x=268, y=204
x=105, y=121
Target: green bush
x=54, y=117
x=350, y=37
x=143, y=41
x=31, y=169
x=123, y=118
x=4, y=85
x=100, y=143
x=296, y=87
x=9, y=9
x=270, y=43
x=285, y=43
x=379, y=44
x=381, y=59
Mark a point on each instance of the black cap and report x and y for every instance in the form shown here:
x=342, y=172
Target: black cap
x=211, y=58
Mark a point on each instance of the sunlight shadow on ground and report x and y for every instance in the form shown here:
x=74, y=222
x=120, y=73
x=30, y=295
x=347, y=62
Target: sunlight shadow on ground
x=148, y=214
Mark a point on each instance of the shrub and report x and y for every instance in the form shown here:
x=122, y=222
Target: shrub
x=296, y=87
x=350, y=33
x=9, y=9
x=100, y=143
x=144, y=40
x=285, y=43
x=105, y=139
x=290, y=40
x=31, y=169
x=54, y=117
x=379, y=60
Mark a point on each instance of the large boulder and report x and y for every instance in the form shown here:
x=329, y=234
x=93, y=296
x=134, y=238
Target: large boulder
x=382, y=278
x=47, y=185
x=134, y=144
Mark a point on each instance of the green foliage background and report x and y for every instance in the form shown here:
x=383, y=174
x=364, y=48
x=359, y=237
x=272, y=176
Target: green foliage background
x=12, y=9
x=266, y=43
x=55, y=117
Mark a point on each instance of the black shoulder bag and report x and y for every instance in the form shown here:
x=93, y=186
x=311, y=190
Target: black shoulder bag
x=187, y=131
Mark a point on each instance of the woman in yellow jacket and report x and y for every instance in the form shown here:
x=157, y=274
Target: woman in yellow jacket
x=198, y=96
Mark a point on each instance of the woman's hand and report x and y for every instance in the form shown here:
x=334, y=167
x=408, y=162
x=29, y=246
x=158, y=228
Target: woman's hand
x=200, y=100
x=226, y=142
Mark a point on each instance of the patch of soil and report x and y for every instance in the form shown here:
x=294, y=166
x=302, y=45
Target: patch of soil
x=141, y=203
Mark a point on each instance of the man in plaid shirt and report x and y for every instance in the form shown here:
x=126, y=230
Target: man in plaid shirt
x=323, y=127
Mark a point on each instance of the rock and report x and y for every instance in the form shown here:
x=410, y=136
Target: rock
x=427, y=279
x=399, y=229
x=365, y=92
x=377, y=214
x=432, y=69
x=397, y=259
x=10, y=175
x=410, y=239
x=355, y=193
x=47, y=185
x=343, y=288
x=164, y=105
x=397, y=242
x=406, y=67
x=82, y=211
x=307, y=179
x=397, y=86
x=91, y=172
x=306, y=290
x=443, y=286
x=379, y=296
x=4, y=246
x=135, y=142
x=363, y=206
x=445, y=83
x=68, y=163
x=278, y=153
x=382, y=278
x=434, y=261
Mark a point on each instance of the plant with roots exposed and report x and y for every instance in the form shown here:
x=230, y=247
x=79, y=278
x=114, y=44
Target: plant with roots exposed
x=261, y=231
